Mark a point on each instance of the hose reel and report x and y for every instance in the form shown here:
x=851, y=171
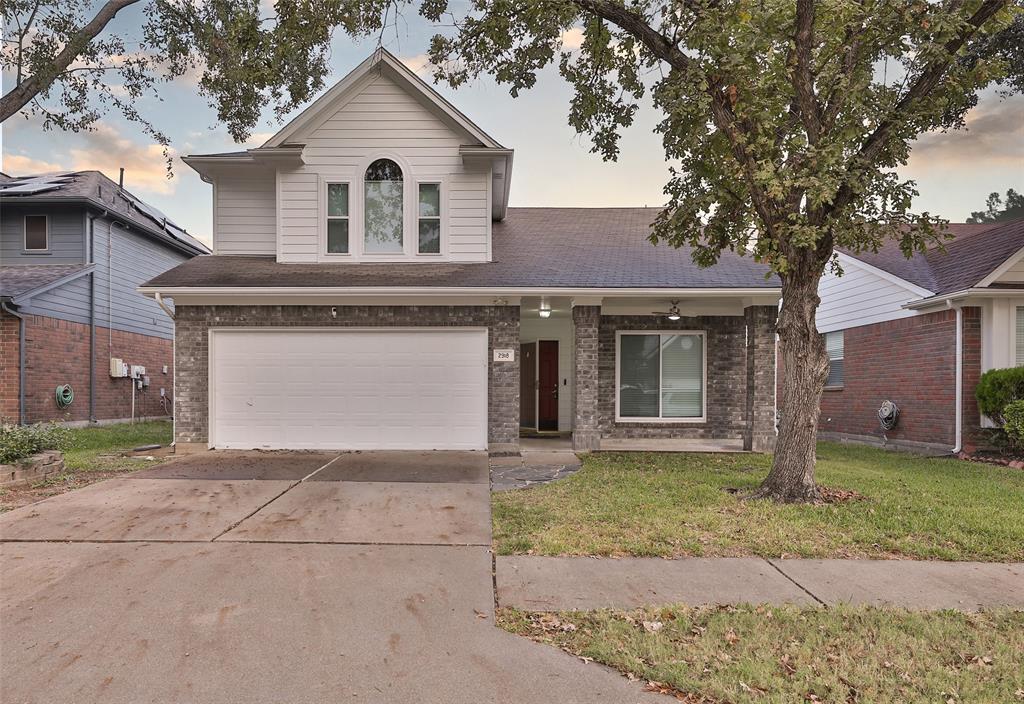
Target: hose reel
x=65, y=395
x=888, y=414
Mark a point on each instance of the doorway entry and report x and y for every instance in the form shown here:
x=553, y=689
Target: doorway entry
x=539, y=385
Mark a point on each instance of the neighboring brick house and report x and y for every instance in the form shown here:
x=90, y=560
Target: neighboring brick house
x=920, y=332
x=73, y=248
x=370, y=288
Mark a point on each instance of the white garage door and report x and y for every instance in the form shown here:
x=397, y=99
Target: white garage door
x=378, y=389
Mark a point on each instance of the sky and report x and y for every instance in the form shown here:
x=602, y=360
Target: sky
x=954, y=171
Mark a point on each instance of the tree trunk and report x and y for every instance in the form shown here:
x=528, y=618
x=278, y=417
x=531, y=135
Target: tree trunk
x=805, y=369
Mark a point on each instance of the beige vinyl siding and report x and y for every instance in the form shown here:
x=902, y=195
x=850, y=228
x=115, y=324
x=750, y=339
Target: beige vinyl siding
x=382, y=119
x=244, y=212
x=1013, y=275
x=860, y=297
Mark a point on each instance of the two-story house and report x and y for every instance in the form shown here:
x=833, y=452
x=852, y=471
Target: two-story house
x=73, y=249
x=370, y=288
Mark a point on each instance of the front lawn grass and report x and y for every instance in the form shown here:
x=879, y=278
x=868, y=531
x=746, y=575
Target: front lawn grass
x=94, y=453
x=676, y=505
x=797, y=654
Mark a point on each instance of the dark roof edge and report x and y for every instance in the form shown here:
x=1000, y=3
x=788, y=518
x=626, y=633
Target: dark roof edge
x=67, y=278
x=105, y=208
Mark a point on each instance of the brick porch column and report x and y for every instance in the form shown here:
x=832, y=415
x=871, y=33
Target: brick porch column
x=586, y=432
x=759, y=434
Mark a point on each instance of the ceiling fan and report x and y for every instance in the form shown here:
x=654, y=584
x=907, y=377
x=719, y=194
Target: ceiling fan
x=672, y=313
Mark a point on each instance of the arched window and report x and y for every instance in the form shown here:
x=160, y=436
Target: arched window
x=382, y=219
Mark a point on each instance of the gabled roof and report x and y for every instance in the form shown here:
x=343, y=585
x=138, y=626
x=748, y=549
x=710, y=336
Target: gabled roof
x=384, y=61
x=964, y=261
x=19, y=283
x=95, y=189
x=284, y=146
x=533, y=248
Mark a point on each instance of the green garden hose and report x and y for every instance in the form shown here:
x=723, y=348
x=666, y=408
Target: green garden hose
x=65, y=395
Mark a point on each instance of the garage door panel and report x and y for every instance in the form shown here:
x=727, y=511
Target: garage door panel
x=347, y=389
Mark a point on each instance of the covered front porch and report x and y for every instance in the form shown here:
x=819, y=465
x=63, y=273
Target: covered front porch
x=647, y=373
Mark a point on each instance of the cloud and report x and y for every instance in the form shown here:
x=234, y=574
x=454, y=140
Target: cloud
x=23, y=165
x=256, y=139
x=572, y=38
x=994, y=137
x=419, y=64
x=103, y=149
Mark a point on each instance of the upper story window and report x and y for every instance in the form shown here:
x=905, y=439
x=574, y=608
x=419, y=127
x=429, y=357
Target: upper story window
x=382, y=208
x=36, y=233
x=834, y=345
x=429, y=218
x=337, y=218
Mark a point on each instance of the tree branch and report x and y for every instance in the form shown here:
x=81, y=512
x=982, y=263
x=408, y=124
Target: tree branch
x=922, y=86
x=803, y=75
x=25, y=91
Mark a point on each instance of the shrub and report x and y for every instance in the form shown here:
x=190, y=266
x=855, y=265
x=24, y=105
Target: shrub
x=997, y=389
x=20, y=441
x=1013, y=423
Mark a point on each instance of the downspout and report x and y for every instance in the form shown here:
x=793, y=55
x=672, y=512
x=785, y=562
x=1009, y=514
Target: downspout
x=92, y=321
x=958, y=437
x=5, y=306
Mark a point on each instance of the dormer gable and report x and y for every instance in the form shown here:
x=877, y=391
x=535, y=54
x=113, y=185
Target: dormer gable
x=379, y=168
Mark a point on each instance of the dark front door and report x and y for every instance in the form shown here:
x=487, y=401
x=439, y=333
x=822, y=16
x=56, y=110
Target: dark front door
x=528, y=385
x=547, y=385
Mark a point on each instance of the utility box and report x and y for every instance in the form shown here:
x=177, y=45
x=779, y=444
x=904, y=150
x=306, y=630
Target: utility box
x=118, y=369
x=138, y=371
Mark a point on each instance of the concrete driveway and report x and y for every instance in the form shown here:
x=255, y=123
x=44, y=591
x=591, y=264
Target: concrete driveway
x=272, y=577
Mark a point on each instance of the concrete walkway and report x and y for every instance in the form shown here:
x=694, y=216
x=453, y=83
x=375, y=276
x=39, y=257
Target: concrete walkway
x=273, y=577
x=564, y=583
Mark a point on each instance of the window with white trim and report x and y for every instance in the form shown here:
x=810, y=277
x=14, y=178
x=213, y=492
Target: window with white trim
x=383, y=207
x=660, y=376
x=834, y=344
x=337, y=218
x=1020, y=337
x=37, y=233
x=429, y=216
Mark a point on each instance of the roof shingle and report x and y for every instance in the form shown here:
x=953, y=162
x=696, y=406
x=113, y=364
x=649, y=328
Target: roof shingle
x=532, y=248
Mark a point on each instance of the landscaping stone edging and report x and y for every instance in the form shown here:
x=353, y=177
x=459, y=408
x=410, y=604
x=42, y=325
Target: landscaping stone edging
x=34, y=468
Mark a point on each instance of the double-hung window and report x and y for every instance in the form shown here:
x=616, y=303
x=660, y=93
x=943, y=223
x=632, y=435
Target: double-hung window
x=660, y=376
x=834, y=343
x=337, y=218
x=429, y=214
x=36, y=233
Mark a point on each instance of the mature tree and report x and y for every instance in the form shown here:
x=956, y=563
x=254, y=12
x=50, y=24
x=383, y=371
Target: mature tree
x=998, y=211
x=783, y=121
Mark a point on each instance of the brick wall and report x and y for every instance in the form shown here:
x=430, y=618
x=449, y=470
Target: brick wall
x=193, y=324
x=9, y=381
x=911, y=361
x=57, y=352
x=726, y=387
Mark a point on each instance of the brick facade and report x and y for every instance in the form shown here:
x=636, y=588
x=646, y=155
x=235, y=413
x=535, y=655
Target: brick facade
x=10, y=383
x=194, y=322
x=57, y=352
x=586, y=432
x=740, y=402
x=911, y=361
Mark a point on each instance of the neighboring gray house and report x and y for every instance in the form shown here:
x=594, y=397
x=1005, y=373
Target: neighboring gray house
x=73, y=248
x=371, y=289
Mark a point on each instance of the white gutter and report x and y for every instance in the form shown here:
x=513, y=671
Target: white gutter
x=290, y=291
x=945, y=298
x=959, y=415
x=160, y=302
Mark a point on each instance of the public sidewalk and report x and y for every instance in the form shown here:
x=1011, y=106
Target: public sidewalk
x=564, y=583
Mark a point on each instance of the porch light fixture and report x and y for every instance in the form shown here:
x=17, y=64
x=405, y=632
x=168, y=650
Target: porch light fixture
x=545, y=309
x=672, y=313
